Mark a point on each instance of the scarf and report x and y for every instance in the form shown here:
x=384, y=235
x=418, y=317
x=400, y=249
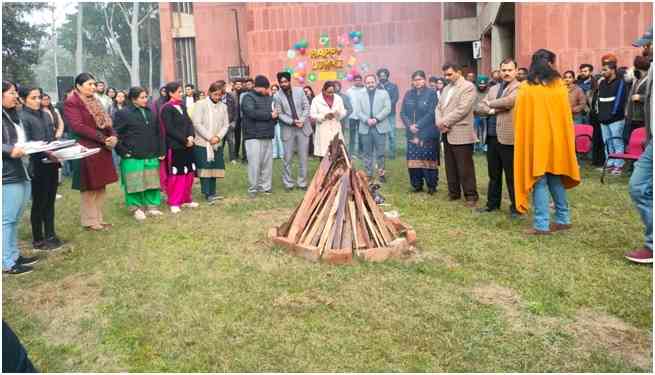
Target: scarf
x=212, y=127
x=93, y=105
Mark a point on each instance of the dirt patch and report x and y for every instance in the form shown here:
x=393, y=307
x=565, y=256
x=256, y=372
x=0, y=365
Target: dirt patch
x=63, y=306
x=594, y=329
x=415, y=255
x=306, y=300
x=504, y=298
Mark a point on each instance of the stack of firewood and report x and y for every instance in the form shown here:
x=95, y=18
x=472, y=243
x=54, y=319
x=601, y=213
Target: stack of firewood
x=338, y=217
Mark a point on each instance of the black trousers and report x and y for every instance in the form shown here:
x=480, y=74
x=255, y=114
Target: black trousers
x=460, y=171
x=237, y=138
x=44, y=193
x=500, y=158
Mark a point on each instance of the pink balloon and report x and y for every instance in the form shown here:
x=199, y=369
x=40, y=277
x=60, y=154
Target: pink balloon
x=301, y=80
x=350, y=77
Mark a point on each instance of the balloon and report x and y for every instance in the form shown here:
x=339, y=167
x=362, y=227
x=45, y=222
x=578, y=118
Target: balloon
x=303, y=43
x=301, y=65
x=324, y=40
x=349, y=76
x=301, y=80
x=341, y=75
x=311, y=77
x=296, y=75
x=289, y=70
x=291, y=53
x=364, y=67
x=359, y=47
x=356, y=40
x=303, y=50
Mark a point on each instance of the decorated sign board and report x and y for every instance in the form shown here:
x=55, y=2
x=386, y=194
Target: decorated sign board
x=327, y=63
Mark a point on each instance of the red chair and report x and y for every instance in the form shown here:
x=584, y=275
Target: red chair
x=636, y=147
x=583, y=138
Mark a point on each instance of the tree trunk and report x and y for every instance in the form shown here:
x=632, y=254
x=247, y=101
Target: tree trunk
x=149, y=56
x=79, y=48
x=134, y=33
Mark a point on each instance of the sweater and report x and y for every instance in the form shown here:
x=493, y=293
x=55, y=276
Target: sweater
x=178, y=125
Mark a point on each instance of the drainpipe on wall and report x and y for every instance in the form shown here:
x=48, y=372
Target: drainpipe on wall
x=236, y=24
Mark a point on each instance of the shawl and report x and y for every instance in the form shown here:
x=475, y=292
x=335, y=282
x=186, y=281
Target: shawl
x=93, y=105
x=544, y=139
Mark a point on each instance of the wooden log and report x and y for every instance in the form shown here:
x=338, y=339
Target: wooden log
x=322, y=244
x=341, y=212
x=302, y=217
x=359, y=211
x=347, y=238
x=376, y=254
x=310, y=253
x=317, y=229
x=376, y=212
x=358, y=238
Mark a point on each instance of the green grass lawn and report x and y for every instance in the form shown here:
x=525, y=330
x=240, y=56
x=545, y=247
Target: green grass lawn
x=206, y=290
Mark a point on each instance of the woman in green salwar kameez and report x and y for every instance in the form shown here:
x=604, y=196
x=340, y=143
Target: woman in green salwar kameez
x=141, y=147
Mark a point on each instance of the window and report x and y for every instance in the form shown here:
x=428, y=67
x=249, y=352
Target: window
x=186, y=7
x=185, y=60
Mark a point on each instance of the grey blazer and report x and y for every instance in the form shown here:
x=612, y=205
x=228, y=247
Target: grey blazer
x=285, y=118
x=381, y=111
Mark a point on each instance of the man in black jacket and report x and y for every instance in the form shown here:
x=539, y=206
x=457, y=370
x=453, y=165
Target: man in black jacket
x=609, y=106
x=392, y=90
x=258, y=123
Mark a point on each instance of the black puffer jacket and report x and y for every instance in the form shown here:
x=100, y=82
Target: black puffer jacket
x=257, y=120
x=138, y=135
x=13, y=170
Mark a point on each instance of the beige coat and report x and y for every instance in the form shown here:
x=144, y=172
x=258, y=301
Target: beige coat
x=455, y=108
x=504, y=110
x=209, y=120
x=326, y=129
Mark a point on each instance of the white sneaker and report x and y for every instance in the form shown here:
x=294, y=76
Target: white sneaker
x=139, y=215
x=58, y=196
x=190, y=205
x=175, y=209
x=155, y=212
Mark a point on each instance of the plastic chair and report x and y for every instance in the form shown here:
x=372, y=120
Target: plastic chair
x=635, y=148
x=583, y=138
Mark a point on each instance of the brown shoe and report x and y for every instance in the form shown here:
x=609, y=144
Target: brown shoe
x=454, y=198
x=537, y=232
x=556, y=227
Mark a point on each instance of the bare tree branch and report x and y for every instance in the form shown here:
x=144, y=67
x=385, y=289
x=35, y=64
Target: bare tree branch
x=148, y=13
x=112, y=37
x=124, y=11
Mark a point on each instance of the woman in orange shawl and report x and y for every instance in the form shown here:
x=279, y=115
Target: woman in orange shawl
x=544, y=145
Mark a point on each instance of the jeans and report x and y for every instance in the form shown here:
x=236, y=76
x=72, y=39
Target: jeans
x=278, y=148
x=14, y=198
x=552, y=183
x=374, y=148
x=616, y=145
x=392, y=135
x=579, y=119
x=480, y=125
x=229, y=139
x=641, y=191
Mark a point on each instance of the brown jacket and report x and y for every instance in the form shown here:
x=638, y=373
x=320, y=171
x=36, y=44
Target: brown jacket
x=504, y=110
x=456, y=109
x=578, y=99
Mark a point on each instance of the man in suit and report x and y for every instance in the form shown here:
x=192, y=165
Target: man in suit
x=292, y=105
x=374, y=110
x=454, y=116
x=392, y=90
x=498, y=104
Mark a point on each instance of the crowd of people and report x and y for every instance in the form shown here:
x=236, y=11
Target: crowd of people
x=522, y=118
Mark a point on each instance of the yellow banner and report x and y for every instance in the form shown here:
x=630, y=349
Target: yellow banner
x=327, y=76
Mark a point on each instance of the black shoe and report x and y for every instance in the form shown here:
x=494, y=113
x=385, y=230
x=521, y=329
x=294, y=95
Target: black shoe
x=268, y=192
x=417, y=190
x=18, y=269
x=303, y=188
x=383, y=179
x=26, y=261
x=486, y=209
x=288, y=189
x=431, y=191
x=54, y=244
x=40, y=245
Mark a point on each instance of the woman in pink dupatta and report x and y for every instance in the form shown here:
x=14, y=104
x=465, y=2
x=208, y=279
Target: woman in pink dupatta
x=178, y=168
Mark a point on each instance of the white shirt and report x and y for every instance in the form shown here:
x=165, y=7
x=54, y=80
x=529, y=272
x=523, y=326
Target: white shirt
x=188, y=100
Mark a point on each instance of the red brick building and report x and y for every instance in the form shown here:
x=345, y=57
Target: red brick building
x=200, y=41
